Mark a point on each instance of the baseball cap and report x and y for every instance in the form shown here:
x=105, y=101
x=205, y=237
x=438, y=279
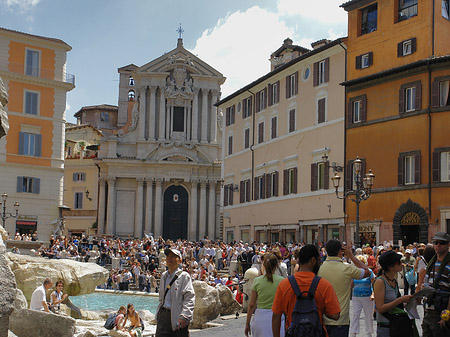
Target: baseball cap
x=388, y=259
x=173, y=251
x=408, y=251
x=441, y=236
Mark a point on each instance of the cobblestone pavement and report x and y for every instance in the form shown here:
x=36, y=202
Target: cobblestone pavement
x=235, y=327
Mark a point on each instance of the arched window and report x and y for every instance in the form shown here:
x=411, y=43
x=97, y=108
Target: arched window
x=131, y=81
x=131, y=95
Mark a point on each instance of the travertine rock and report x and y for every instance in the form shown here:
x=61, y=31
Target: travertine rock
x=32, y=323
x=207, y=304
x=79, y=277
x=3, y=233
x=7, y=293
x=20, y=302
x=228, y=305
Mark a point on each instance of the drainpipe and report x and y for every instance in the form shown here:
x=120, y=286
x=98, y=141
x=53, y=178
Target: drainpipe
x=345, y=140
x=429, y=141
x=433, y=27
x=98, y=194
x=253, y=143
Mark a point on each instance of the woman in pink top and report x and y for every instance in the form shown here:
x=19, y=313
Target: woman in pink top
x=119, y=326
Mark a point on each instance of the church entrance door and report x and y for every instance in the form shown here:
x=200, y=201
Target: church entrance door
x=175, y=217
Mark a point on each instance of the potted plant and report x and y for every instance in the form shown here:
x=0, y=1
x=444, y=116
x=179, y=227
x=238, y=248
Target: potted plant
x=82, y=145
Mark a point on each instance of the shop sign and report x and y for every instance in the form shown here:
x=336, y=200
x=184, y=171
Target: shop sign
x=365, y=228
x=410, y=218
x=27, y=217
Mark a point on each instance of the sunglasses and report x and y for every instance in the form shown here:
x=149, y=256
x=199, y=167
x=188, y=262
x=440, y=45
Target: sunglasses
x=442, y=243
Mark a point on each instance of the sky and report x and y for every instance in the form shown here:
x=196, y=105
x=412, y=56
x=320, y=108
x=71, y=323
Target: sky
x=236, y=37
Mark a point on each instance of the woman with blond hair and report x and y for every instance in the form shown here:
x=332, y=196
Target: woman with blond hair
x=261, y=299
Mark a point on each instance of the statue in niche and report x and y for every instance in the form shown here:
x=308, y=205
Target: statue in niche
x=188, y=85
x=219, y=120
x=170, y=86
x=135, y=115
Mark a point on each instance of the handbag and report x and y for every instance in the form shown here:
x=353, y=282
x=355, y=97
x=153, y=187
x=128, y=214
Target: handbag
x=411, y=277
x=400, y=325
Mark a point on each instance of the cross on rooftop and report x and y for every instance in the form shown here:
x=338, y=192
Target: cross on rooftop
x=180, y=31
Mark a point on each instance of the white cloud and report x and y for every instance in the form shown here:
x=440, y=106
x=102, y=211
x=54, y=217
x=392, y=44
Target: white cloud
x=325, y=11
x=240, y=45
x=67, y=106
x=21, y=5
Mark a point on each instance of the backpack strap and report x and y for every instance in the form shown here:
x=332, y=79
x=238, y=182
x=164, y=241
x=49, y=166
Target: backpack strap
x=295, y=286
x=313, y=287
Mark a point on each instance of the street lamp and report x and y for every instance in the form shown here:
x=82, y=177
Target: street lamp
x=5, y=215
x=362, y=192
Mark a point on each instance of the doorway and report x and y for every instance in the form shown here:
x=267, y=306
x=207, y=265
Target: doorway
x=409, y=234
x=175, y=217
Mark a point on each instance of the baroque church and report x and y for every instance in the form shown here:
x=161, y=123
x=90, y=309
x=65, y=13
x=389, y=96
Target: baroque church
x=160, y=171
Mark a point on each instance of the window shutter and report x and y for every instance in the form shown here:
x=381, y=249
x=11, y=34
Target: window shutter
x=232, y=115
x=413, y=45
x=225, y=195
x=265, y=99
x=27, y=102
x=350, y=112
x=263, y=187
x=274, y=127
x=83, y=176
x=295, y=179
x=291, y=120
x=227, y=116
x=418, y=97
x=327, y=69
x=400, y=171
x=230, y=145
x=278, y=92
x=288, y=84
x=275, y=188
x=38, y=145
x=400, y=49
x=349, y=176
x=248, y=190
x=326, y=176
x=74, y=176
x=258, y=108
x=401, y=100
x=230, y=194
x=296, y=82
x=244, y=109
x=363, y=109
x=436, y=167
x=417, y=169
x=321, y=110
x=246, y=138
x=316, y=74
x=358, y=62
x=314, y=177
x=370, y=58
x=363, y=168
x=285, y=182
x=21, y=142
x=250, y=106
x=36, y=185
x=19, y=184
x=435, y=94
x=255, y=188
x=268, y=185
x=241, y=192
x=270, y=98
x=260, y=132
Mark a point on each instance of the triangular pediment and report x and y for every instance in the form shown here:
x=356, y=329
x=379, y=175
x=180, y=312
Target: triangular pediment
x=179, y=57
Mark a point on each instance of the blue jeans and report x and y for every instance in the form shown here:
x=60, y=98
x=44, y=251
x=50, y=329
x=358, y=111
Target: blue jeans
x=338, y=330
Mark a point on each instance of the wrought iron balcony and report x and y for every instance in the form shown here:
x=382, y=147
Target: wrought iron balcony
x=20, y=68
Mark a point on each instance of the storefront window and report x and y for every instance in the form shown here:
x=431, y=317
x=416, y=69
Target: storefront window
x=262, y=236
x=312, y=235
x=230, y=236
x=333, y=233
x=244, y=235
x=290, y=236
x=275, y=237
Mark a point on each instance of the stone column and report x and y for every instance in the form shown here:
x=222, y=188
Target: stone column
x=101, y=207
x=139, y=208
x=162, y=114
x=142, y=114
x=204, y=115
x=213, y=117
x=195, y=116
x=193, y=211
x=149, y=207
x=187, y=110
x=169, y=120
x=152, y=124
x=202, y=222
x=212, y=211
x=111, y=216
x=158, y=209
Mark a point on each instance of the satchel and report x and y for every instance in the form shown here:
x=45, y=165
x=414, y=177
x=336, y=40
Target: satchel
x=400, y=325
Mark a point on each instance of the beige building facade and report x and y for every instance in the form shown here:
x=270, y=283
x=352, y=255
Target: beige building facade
x=160, y=171
x=277, y=129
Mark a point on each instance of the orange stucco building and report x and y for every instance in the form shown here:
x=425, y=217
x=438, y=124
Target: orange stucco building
x=33, y=69
x=398, y=117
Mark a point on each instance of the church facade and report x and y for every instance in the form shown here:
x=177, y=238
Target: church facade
x=160, y=172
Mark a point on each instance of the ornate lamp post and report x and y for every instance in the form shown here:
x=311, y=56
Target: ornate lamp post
x=361, y=193
x=5, y=215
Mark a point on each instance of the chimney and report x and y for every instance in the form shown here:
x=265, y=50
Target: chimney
x=320, y=43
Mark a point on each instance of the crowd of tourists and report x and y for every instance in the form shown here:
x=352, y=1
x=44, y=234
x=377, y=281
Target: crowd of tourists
x=370, y=276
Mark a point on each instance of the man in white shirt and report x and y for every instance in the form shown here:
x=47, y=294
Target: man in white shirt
x=39, y=299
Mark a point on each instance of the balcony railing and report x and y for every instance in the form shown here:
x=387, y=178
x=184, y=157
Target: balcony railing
x=407, y=12
x=20, y=68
